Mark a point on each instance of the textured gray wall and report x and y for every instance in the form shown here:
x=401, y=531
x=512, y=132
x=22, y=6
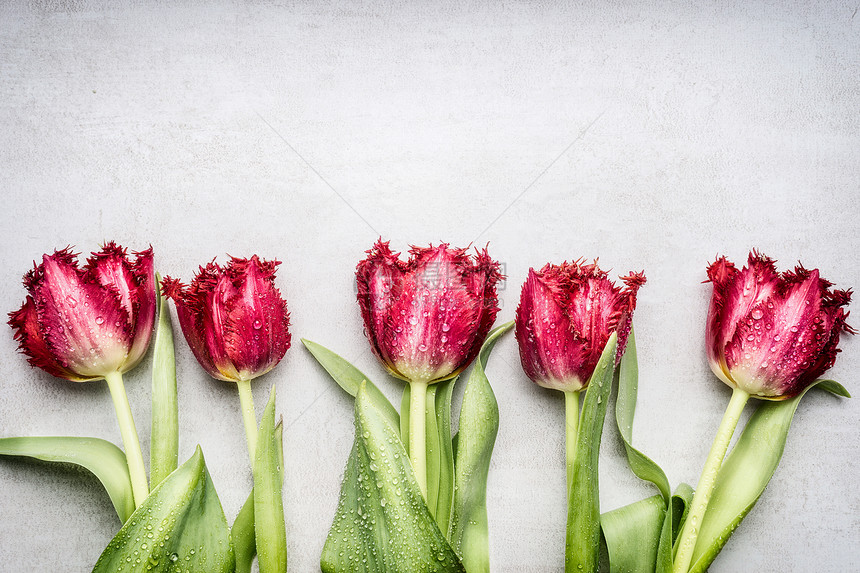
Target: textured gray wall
x=653, y=135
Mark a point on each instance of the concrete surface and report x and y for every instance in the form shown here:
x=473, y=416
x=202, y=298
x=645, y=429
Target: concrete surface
x=653, y=135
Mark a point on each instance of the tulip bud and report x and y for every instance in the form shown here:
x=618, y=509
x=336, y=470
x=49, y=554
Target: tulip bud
x=85, y=323
x=567, y=313
x=427, y=318
x=233, y=318
x=772, y=334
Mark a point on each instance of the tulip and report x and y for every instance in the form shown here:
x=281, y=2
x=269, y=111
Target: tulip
x=769, y=335
x=426, y=319
x=91, y=323
x=236, y=323
x=567, y=315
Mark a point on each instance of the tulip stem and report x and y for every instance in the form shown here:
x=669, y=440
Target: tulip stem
x=249, y=416
x=417, y=433
x=133, y=455
x=571, y=422
x=686, y=543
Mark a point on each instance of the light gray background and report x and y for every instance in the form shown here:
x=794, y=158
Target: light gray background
x=653, y=135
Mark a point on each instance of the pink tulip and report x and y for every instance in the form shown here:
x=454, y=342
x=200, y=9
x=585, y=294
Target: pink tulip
x=772, y=334
x=426, y=318
x=567, y=313
x=236, y=323
x=91, y=323
x=233, y=318
x=84, y=323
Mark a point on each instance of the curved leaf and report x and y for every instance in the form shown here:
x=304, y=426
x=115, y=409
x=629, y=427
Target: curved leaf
x=583, y=502
x=625, y=410
x=164, y=445
x=633, y=535
x=382, y=523
x=105, y=460
x=479, y=424
x=747, y=471
x=242, y=533
x=350, y=378
x=179, y=527
x=270, y=529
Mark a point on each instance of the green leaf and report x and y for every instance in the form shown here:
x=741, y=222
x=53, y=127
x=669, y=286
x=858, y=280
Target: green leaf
x=625, y=410
x=746, y=471
x=431, y=448
x=244, y=536
x=179, y=527
x=106, y=461
x=639, y=539
x=382, y=523
x=164, y=444
x=405, y=401
x=242, y=532
x=269, y=526
x=350, y=378
x=445, y=497
x=632, y=535
x=583, y=503
x=479, y=424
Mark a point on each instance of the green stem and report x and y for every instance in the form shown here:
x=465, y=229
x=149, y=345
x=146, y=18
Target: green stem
x=133, y=455
x=249, y=417
x=417, y=433
x=686, y=542
x=571, y=420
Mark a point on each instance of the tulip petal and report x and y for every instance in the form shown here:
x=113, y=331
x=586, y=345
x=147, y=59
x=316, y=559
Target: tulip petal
x=84, y=324
x=256, y=327
x=134, y=284
x=187, y=310
x=32, y=343
x=426, y=318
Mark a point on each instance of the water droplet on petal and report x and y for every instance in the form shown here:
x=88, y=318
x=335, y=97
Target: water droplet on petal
x=100, y=320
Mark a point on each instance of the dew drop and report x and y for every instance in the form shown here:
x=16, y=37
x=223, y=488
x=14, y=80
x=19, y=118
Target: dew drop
x=257, y=325
x=100, y=320
x=757, y=313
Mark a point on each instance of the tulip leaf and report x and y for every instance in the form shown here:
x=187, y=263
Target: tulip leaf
x=479, y=424
x=405, y=402
x=432, y=447
x=350, y=378
x=639, y=539
x=269, y=527
x=625, y=410
x=445, y=497
x=105, y=460
x=164, y=444
x=583, y=503
x=242, y=532
x=179, y=527
x=633, y=535
x=746, y=472
x=382, y=523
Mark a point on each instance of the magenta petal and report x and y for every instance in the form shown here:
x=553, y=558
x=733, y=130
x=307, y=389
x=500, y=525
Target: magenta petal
x=785, y=329
x=31, y=342
x=256, y=334
x=545, y=334
x=566, y=315
x=426, y=319
x=188, y=315
x=84, y=324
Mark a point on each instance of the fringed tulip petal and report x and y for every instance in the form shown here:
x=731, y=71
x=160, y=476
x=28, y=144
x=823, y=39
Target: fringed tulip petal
x=772, y=335
x=566, y=315
x=427, y=318
x=234, y=319
x=84, y=323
